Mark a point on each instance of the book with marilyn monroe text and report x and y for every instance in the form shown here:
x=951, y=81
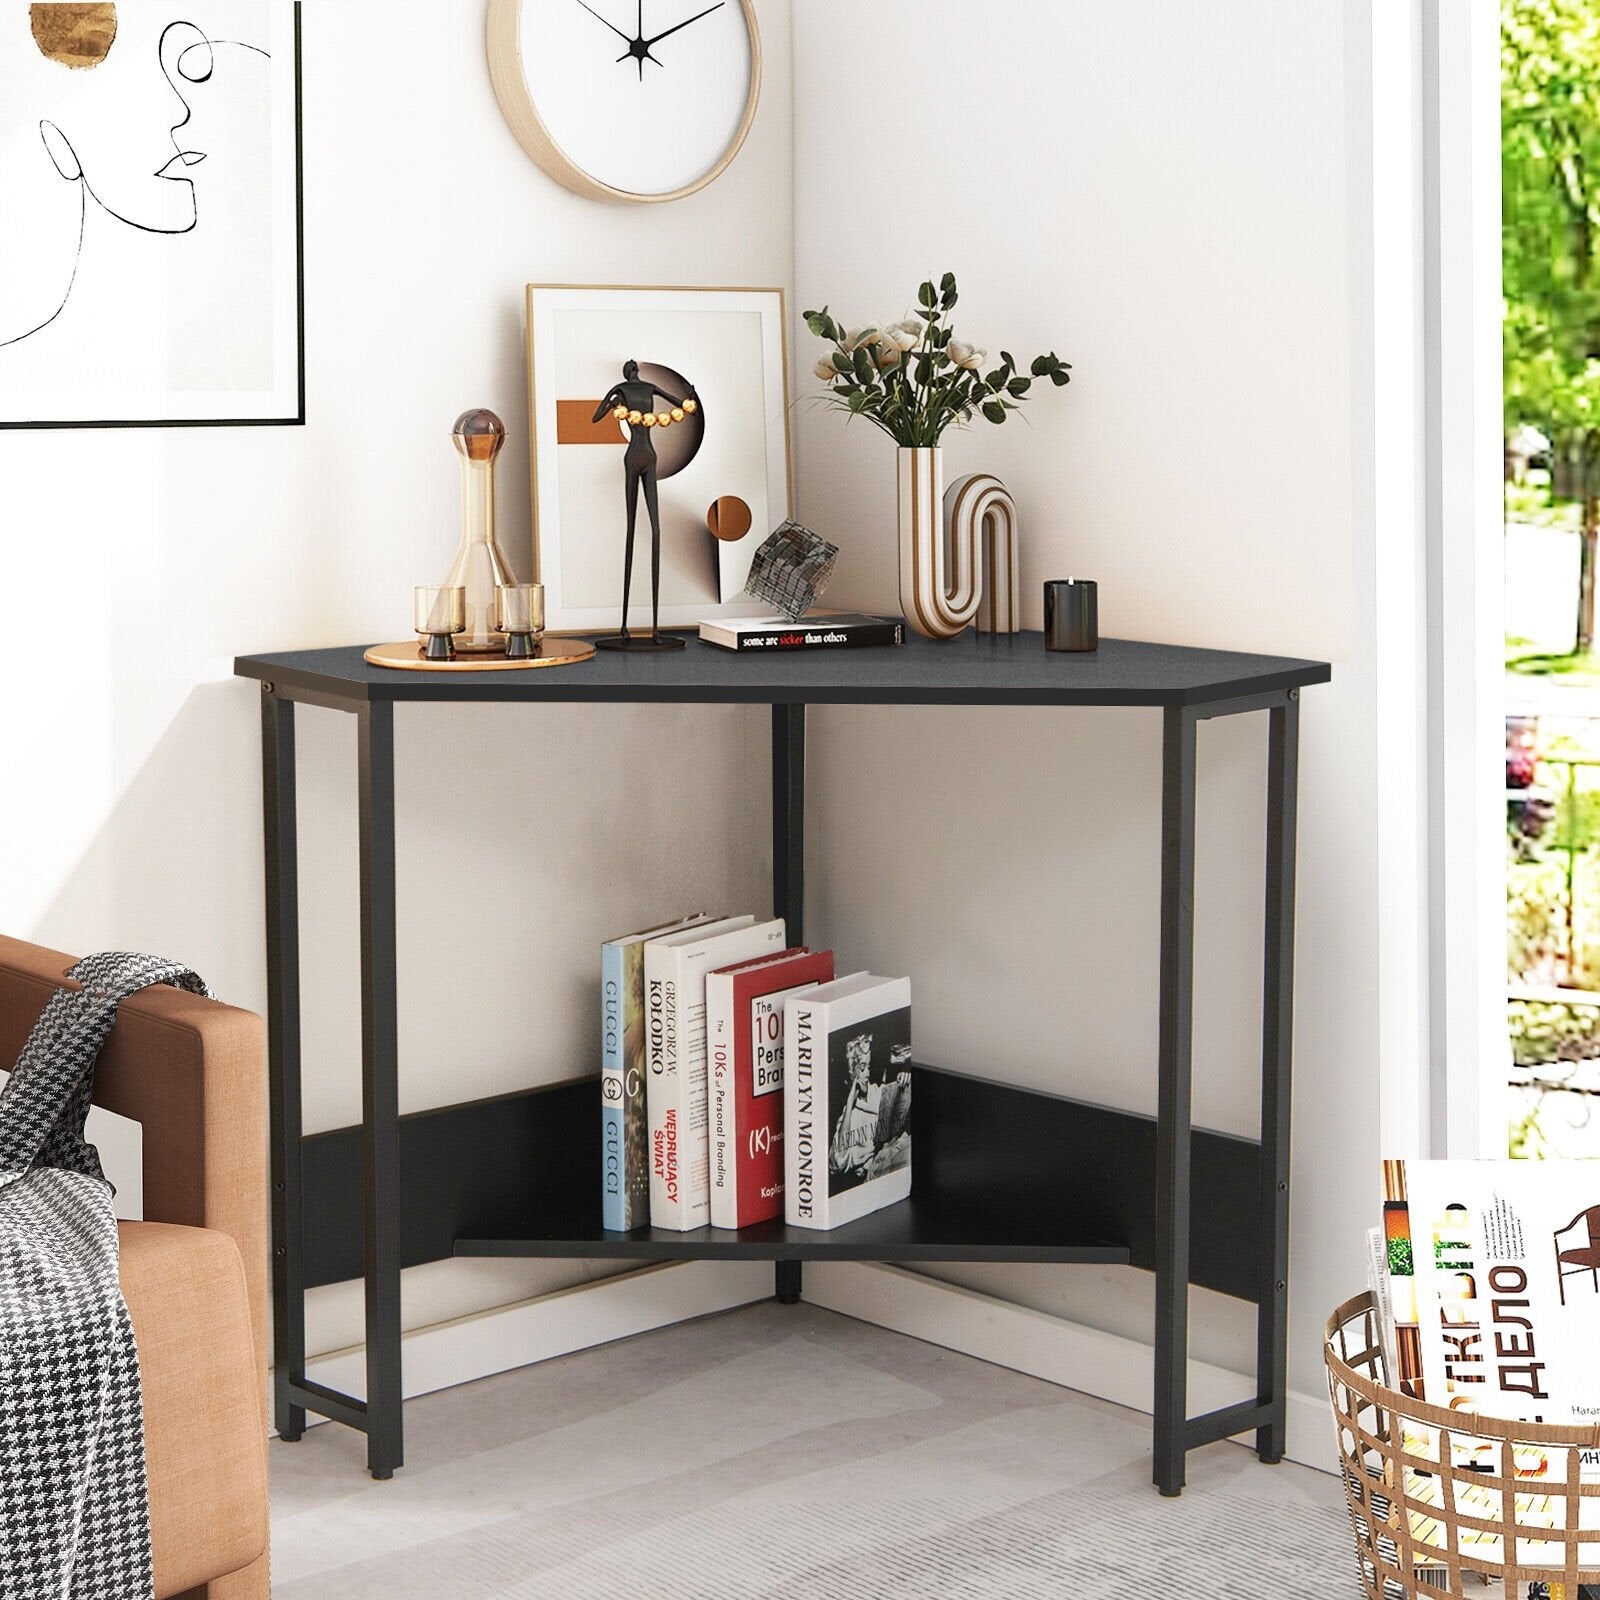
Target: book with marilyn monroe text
x=847, y=1099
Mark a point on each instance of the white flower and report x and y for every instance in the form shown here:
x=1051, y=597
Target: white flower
x=857, y=337
x=901, y=336
x=826, y=370
x=913, y=326
x=889, y=353
x=966, y=355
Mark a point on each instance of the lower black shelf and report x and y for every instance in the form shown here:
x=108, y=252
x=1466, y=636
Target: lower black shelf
x=913, y=1230
x=998, y=1174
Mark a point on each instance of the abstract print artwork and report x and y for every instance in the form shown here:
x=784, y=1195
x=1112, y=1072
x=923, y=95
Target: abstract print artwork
x=721, y=472
x=150, y=264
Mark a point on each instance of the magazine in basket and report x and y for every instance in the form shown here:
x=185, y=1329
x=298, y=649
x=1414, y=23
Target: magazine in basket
x=1506, y=1261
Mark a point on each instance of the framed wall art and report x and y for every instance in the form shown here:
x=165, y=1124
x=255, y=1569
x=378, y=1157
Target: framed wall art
x=723, y=463
x=150, y=266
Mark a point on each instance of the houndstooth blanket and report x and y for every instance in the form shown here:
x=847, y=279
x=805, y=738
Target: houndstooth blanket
x=74, y=1516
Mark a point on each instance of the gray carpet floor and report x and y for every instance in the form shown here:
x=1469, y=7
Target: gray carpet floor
x=786, y=1453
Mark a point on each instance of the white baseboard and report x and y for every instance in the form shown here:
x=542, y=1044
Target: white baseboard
x=448, y=1353
x=1067, y=1353
x=1103, y=1364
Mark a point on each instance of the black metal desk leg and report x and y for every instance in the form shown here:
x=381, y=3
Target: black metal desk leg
x=1277, y=1053
x=283, y=1056
x=1173, y=1118
x=789, y=876
x=789, y=818
x=380, y=1099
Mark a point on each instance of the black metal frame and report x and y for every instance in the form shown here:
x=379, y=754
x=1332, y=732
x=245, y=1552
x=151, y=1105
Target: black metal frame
x=299, y=417
x=379, y=1415
x=1176, y=1433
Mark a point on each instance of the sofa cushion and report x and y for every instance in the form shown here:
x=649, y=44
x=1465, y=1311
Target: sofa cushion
x=205, y=1435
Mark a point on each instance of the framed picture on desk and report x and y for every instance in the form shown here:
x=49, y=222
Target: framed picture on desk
x=724, y=351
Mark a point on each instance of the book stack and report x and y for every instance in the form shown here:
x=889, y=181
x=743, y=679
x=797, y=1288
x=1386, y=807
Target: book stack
x=740, y=1082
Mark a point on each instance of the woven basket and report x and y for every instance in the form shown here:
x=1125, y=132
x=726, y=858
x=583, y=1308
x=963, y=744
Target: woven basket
x=1428, y=1487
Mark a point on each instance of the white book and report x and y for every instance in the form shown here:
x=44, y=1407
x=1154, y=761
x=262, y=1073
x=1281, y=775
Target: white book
x=847, y=1099
x=1507, y=1262
x=675, y=969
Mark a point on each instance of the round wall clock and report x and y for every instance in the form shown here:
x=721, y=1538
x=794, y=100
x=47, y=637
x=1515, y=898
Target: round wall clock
x=630, y=100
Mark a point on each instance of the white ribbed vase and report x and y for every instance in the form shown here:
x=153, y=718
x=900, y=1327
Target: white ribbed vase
x=940, y=580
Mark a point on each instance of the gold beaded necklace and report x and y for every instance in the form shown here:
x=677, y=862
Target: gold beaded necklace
x=655, y=419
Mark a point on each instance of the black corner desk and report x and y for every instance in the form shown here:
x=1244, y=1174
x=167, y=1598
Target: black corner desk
x=1002, y=1174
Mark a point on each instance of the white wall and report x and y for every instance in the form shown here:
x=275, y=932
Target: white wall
x=130, y=815
x=1174, y=198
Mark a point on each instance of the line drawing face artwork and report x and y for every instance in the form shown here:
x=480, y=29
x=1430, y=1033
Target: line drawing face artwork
x=138, y=282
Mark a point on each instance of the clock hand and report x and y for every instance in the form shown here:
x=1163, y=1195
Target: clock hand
x=598, y=18
x=695, y=18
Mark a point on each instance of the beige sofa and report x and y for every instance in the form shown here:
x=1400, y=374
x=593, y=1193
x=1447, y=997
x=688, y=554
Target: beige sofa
x=192, y=1073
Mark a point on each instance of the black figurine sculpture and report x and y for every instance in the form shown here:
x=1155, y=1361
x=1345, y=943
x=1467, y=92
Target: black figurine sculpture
x=632, y=402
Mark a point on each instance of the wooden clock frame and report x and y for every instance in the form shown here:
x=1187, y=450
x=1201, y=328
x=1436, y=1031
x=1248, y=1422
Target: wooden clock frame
x=504, y=38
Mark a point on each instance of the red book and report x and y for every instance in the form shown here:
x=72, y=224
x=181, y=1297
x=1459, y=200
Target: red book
x=744, y=1060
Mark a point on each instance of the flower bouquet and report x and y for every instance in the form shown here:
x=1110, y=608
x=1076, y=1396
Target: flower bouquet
x=913, y=379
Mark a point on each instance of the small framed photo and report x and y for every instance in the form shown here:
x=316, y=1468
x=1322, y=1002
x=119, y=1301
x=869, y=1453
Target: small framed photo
x=723, y=464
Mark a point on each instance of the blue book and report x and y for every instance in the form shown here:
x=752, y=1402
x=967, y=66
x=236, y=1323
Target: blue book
x=624, y=1120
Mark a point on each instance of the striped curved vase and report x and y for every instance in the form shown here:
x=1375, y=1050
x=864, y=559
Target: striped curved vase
x=940, y=579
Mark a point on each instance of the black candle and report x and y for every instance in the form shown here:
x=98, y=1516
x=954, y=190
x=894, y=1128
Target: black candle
x=1071, y=614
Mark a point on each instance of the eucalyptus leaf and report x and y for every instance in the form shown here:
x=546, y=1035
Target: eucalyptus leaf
x=994, y=411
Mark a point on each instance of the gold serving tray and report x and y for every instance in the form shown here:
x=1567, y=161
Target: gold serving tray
x=406, y=656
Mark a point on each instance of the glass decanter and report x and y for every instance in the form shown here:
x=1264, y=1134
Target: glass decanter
x=480, y=566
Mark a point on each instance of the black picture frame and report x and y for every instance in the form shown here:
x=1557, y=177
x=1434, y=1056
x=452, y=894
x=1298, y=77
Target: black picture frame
x=299, y=416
